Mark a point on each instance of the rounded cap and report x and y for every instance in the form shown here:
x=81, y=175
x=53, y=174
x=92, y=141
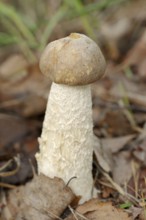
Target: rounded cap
x=73, y=60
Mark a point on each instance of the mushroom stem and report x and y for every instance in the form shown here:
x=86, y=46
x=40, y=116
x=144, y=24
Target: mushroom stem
x=66, y=143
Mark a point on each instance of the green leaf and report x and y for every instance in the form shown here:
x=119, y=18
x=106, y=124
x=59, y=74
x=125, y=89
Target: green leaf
x=126, y=205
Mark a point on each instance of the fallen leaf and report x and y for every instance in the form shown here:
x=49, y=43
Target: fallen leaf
x=112, y=33
x=18, y=136
x=122, y=170
x=117, y=143
x=140, y=152
x=134, y=93
x=14, y=68
x=12, y=128
x=135, y=211
x=136, y=56
x=103, y=156
x=23, y=173
x=115, y=123
x=26, y=97
x=142, y=216
x=94, y=210
x=137, y=184
x=41, y=199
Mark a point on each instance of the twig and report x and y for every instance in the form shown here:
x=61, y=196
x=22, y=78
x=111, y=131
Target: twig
x=77, y=213
x=73, y=212
x=74, y=177
x=115, y=185
x=47, y=212
x=120, y=190
x=13, y=172
x=106, y=184
x=33, y=168
x=6, y=165
x=52, y=214
x=114, y=106
x=6, y=185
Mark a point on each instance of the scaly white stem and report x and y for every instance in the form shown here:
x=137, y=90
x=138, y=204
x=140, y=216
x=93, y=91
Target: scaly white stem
x=66, y=143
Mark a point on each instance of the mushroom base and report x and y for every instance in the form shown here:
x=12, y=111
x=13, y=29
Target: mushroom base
x=66, y=143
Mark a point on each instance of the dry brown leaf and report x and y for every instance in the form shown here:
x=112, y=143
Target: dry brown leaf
x=12, y=128
x=116, y=144
x=41, y=199
x=26, y=97
x=10, y=202
x=140, y=152
x=18, y=136
x=108, y=146
x=114, y=32
x=46, y=199
x=136, y=56
x=14, y=68
x=142, y=216
x=135, y=211
x=24, y=171
x=103, y=156
x=122, y=170
x=94, y=210
x=115, y=123
x=134, y=92
x=137, y=184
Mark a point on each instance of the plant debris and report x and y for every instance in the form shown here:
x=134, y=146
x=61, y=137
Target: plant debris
x=119, y=109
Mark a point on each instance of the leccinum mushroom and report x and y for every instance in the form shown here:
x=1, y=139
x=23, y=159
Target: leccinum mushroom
x=66, y=143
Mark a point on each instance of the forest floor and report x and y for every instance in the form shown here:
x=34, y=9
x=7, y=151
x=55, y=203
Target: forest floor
x=119, y=117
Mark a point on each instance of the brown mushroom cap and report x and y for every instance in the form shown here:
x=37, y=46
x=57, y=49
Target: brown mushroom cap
x=73, y=60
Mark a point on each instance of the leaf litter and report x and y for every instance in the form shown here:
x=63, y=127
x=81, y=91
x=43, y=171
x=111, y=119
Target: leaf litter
x=119, y=114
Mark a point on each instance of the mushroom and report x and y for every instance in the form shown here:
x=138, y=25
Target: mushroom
x=66, y=142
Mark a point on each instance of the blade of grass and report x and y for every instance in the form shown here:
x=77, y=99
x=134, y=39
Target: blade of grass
x=51, y=25
x=10, y=12
x=91, y=7
x=7, y=39
x=128, y=113
x=78, y=7
x=20, y=41
x=125, y=205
